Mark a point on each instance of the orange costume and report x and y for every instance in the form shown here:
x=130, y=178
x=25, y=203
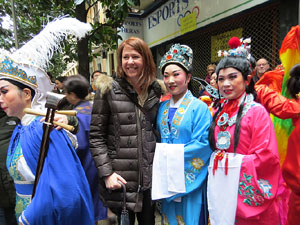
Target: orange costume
x=272, y=90
x=268, y=90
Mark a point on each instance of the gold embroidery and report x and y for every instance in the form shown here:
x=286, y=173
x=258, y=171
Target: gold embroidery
x=197, y=163
x=180, y=110
x=165, y=219
x=180, y=220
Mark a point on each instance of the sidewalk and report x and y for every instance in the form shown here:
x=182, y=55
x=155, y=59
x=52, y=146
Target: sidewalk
x=157, y=220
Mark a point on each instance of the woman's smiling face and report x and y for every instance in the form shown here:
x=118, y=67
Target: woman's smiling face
x=231, y=83
x=176, y=80
x=132, y=62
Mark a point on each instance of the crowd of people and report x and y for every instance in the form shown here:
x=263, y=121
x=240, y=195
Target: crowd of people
x=196, y=164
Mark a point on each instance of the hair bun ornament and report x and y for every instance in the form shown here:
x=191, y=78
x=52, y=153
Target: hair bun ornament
x=239, y=47
x=234, y=42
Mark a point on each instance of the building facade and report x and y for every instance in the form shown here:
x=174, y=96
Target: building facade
x=207, y=25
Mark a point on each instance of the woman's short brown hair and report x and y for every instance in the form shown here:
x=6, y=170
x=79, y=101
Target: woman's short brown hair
x=149, y=70
x=211, y=65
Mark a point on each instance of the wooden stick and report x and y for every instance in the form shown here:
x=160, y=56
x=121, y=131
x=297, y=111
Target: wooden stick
x=67, y=112
x=33, y=112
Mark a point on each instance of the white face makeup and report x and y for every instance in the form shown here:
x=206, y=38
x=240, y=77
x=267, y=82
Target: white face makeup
x=231, y=83
x=12, y=99
x=176, y=80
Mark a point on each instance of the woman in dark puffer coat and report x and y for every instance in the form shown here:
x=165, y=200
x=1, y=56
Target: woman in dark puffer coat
x=122, y=136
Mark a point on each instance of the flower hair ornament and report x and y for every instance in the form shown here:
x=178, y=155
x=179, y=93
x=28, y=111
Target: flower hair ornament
x=179, y=54
x=239, y=47
x=27, y=65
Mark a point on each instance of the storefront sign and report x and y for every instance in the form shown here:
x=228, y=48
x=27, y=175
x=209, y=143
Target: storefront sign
x=165, y=23
x=167, y=11
x=131, y=27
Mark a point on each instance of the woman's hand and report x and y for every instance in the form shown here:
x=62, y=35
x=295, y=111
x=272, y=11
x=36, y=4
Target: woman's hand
x=58, y=118
x=112, y=181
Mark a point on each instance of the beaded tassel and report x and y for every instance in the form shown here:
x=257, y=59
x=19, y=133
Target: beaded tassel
x=219, y=156
x=226, y=164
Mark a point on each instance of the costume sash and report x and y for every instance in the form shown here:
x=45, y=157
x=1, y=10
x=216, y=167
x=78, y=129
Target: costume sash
x=222, y=190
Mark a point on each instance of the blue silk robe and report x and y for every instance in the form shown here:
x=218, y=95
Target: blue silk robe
x=189, y=126
x=62, y=195
x=84, y=110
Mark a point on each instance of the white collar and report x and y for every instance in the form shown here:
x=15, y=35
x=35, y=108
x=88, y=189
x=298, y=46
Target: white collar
x=27, y=119
x=242, y=98
x=178, y=103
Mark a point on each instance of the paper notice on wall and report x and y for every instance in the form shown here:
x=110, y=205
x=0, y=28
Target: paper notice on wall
x=188, y=23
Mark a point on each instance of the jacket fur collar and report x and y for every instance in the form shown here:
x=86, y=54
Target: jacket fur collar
x=104, y=84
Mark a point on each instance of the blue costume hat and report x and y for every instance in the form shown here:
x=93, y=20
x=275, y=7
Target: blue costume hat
x=178, y=54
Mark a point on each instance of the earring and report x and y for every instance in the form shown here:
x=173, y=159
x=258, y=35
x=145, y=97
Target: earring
x=298, y=95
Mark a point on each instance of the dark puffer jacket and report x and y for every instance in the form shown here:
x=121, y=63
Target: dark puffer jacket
x=122, y=139
x=7, y=189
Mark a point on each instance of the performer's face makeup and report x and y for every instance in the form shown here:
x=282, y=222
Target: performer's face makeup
x=176, y=81
x=231, y=83
x=12, y=99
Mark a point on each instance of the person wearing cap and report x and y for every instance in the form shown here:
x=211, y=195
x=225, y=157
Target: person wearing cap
x=181, y=159
x=244, y=168
x=62, y=195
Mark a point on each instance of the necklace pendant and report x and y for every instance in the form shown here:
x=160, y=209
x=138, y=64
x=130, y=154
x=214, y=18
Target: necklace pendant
x=223, y=119
x=223, y=140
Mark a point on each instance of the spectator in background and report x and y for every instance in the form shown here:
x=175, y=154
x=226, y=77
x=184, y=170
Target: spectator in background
x=211, y=68
x=59, y=89
x=59, y=85
x=77, y=89
x=213, y=80
x=94, y=77
x=262, y=66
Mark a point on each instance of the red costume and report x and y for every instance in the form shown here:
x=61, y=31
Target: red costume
x=285, y=108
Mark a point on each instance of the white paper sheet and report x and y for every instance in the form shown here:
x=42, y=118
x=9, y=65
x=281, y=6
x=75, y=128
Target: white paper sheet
x=168, y=171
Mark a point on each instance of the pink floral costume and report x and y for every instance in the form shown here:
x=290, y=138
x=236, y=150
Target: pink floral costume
x=242, y=186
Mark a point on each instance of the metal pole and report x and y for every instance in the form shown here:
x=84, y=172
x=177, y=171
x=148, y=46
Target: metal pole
x=299, y=13
x=15, y=23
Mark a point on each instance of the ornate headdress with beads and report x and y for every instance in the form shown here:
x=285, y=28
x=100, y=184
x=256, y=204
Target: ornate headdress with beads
x=27, y=65
x=179, y=54
x=239, y=47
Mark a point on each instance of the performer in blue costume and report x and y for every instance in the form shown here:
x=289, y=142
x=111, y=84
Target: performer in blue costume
x=62, y=195
x=76, y=89
x=181, y=160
